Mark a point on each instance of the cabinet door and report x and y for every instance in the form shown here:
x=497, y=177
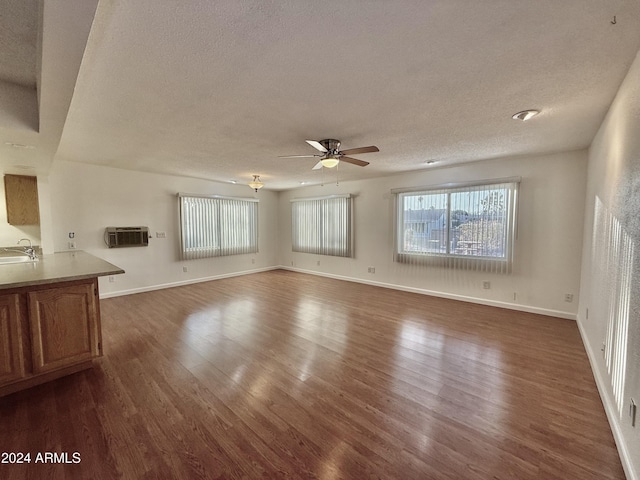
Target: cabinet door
x=11, y=357
x=64, y=326
x=21, y=195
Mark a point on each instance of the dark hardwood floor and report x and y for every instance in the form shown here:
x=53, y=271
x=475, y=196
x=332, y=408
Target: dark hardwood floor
x=286, y=375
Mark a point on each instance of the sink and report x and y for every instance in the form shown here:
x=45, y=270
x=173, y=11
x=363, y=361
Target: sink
x=16, y=259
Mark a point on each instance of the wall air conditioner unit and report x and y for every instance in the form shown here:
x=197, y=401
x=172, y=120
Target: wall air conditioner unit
x=117, y=237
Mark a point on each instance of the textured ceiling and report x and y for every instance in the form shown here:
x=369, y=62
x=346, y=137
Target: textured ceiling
x=18, y=41
x=219, y=90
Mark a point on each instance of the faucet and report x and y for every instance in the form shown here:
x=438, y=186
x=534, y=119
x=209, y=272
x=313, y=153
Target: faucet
x=30, y=251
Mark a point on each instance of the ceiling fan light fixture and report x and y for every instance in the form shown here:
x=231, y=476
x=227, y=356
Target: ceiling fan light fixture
x=330, y=161
x=256, y=184
x=525, y=115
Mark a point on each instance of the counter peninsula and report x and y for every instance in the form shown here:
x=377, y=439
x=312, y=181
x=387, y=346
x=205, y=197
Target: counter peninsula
x=49, y=318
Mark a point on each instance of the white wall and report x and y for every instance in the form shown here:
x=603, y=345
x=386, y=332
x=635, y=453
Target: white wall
x=614, y=179
x=548, y=247
x=85, y=199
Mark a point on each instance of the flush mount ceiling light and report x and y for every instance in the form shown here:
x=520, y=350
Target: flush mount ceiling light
x=256, y=184
x=525, y=115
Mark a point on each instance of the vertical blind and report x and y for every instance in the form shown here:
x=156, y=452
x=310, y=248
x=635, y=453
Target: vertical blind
x=322, y=225
x=613, y=258
x=470, y=226
x=212, y=226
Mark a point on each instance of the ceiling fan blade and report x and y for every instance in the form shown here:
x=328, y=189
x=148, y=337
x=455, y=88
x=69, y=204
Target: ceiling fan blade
x=354, y=161
x=317, y=145
x=299, y=156
x=317, y=166
x=355, y=151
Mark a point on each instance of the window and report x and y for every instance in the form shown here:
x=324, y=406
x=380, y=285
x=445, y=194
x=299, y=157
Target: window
x=469, y=226
x=212, y=226
x=322, y=225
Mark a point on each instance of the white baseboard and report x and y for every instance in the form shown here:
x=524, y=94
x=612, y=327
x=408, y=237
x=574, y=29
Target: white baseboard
x=609, y=408
x=422, y=291
x=451, y=296
x=151, y=288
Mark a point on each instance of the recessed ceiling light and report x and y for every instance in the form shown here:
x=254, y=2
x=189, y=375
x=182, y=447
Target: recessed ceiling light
x=233, y=181
x=19, y=145
x=525, y=115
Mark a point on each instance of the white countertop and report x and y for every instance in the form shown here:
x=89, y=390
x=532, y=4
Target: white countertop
x=55, y=268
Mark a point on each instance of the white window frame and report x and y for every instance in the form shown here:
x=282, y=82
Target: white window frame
x=322, y=225
x=448, y=258
x=216, y=225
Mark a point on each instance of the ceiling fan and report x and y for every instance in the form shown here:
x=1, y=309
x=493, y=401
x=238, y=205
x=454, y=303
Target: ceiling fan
x=332, y=155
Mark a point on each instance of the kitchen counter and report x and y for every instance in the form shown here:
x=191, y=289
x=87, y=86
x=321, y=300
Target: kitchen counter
x=55, y=268
x=50, y=318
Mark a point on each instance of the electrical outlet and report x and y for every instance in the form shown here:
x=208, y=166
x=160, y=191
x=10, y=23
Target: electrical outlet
x=486, y=285
x=514, y=296
x=72, y=245
x=161, y=234
x=185, y=269
x=632, y=412
x=587, y=314
x=568, y=297
x=112, y=279
x=371, y=269
x=318, y=262
x=253, y=261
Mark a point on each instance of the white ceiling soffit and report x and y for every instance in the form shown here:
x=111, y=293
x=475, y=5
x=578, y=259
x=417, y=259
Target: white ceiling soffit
x=41, y=47
x=219, y=90
x=19, y=26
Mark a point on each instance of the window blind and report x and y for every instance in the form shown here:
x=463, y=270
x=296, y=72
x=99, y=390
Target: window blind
x=322, y=225
x=469, y=226
x=212, y=226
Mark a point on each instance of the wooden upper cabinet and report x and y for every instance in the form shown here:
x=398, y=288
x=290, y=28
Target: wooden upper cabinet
x=21, y=192
x=11, y=351
x=65, y=328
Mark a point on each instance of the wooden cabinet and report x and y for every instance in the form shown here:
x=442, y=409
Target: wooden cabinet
x=56, y=333
x=21, y=194
x=11, y=351
x=64, y=326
